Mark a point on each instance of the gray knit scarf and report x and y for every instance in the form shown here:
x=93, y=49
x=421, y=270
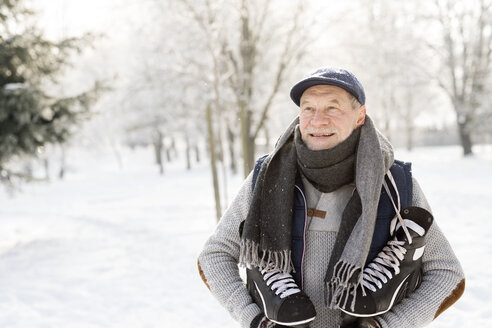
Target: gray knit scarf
x=266, y=237
x=328, y=169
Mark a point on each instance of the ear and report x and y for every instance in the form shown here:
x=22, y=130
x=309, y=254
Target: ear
x=361, y=115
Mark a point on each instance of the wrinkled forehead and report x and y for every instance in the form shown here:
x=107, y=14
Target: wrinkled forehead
x=328, y=92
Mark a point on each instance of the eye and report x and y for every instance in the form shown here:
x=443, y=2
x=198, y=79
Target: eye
x=334, y=110
x=307, y=109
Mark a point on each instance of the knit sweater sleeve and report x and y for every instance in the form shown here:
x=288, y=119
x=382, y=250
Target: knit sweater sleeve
x=218, y=261
x=442, y=283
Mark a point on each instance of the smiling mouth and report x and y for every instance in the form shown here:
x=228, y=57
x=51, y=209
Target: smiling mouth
x=321, y=135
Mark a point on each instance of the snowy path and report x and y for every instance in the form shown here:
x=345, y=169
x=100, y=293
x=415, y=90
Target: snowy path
x=117, y=248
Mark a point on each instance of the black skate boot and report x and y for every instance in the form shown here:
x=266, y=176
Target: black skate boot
x=396, y=271
x=280, y=298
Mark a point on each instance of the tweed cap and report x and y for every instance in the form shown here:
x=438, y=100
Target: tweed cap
x=331, y=76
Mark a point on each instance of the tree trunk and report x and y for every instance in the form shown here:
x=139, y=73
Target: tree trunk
x=197, y=153
x=248, y=52
x=246, y=141
x=46, y=166
x=219, y=147
x=28, y=171
x=213, y=163
x=244, y=137
x=251, y=154
x=168, y=153
x=464, y=121
x=232, y=154
x=158, y=147
x=465, y=137
x=174, y=148
x=188, y=151
x=61, y=172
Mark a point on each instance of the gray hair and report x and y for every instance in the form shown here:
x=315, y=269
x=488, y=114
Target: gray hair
x=353, y=101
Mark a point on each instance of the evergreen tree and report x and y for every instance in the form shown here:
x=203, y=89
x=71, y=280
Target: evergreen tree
x=30, y=117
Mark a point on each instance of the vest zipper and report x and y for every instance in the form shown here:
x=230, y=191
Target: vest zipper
x=303, y=236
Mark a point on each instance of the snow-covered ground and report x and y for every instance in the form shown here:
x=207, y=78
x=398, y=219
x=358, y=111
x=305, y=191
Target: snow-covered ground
x=111, y=247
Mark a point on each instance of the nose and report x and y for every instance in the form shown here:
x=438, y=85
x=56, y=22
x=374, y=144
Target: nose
x=319, y=118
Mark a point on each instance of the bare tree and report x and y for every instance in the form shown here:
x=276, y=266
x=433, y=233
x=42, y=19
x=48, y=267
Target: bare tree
x=389, y=51
x=213, y=162
x=238, y=53
x=245, y=62
x=466, y=51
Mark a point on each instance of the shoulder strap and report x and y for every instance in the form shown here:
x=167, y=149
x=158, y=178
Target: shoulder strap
x=398, y=205
x=402, y=175
x=256, y=170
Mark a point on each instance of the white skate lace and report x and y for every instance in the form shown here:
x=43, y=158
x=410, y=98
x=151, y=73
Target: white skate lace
x=283, y=284
x=397, y=208
x=376, y=273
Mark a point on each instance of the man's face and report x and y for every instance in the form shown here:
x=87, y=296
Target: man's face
x=327, y=117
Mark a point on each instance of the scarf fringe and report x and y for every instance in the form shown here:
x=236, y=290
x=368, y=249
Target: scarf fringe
x=249, y=256
x=343, y=286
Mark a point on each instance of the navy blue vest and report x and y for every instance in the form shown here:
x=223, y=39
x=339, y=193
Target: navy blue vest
x=402, y=174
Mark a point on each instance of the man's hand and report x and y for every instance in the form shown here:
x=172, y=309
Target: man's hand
x=369, y=323
x=260, y=321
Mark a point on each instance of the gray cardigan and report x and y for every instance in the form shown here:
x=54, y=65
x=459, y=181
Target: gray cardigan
x=442, y=284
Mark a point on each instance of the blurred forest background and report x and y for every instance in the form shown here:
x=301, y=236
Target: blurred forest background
x=208, y=80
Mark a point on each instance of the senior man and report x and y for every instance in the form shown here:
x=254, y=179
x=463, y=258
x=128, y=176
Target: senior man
x=332, y=229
